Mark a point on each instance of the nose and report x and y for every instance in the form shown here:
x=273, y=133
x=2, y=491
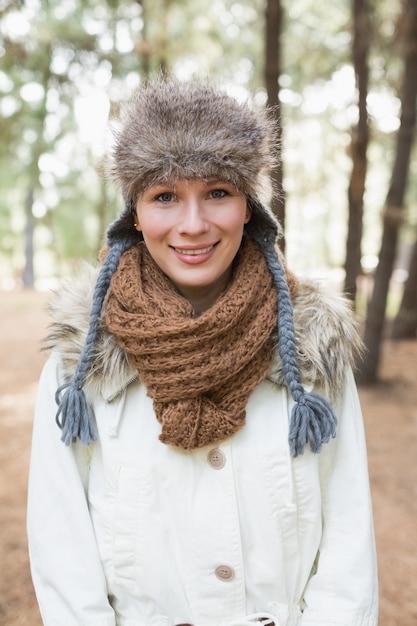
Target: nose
x=193, y=217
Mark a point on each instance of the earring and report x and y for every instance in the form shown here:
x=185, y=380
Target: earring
x=137, y=226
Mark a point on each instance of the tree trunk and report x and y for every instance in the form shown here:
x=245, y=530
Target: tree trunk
x=394, y=203
x=28, y=276
x=144, y=47
x=163, y=39
x=273, y=28
x=405, y=323
x=359, y=147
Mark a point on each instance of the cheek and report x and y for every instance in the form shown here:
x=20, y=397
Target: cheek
x=151, y=225
x=237, y=219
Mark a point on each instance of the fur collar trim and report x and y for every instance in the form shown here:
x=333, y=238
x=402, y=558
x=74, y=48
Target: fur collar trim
x=326, y=335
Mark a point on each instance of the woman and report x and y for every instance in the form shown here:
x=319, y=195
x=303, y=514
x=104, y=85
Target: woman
x=215, y=470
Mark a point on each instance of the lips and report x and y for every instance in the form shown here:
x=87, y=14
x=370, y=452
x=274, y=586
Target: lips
x=195, y=255
x=194, y=251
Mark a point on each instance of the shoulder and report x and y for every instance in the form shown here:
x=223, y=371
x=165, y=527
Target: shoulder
x=326, y=333
x=327, y=338
x=69, y=308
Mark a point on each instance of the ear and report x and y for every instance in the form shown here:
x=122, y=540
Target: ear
x=136, y=219
x=248, y=214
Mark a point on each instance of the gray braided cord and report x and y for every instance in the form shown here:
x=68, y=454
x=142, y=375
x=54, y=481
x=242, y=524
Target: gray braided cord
x=73, y=415
x=312, y=418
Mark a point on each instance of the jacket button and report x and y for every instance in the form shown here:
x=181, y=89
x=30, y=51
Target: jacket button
x=224, y=572
x=216, y=458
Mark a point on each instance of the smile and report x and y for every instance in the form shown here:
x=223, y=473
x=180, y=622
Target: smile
x=195, y=251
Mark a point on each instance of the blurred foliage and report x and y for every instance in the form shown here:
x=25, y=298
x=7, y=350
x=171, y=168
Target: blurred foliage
x=65, y=65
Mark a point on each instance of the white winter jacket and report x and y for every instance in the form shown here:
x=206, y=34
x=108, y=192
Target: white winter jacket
x=132, y=532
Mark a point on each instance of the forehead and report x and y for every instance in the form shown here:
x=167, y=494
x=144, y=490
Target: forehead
x=185, y=183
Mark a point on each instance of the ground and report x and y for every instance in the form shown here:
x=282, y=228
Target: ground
x=390, y=413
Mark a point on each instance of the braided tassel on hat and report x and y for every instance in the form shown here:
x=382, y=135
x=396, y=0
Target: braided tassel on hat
x=73, y=416
x=312, y=421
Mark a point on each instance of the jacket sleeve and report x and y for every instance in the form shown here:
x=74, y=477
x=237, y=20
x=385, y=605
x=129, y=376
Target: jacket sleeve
x=65, y=564
x=343, y=590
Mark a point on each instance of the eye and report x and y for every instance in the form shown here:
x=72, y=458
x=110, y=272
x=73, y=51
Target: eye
x=166, y=196
x=218, y=193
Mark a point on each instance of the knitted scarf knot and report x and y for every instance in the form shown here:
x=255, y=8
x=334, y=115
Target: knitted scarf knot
x=199, y=371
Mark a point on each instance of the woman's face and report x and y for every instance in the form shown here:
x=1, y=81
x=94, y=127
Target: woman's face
x=193, y=230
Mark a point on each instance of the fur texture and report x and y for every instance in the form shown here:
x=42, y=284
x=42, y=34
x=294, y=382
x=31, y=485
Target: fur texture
x=326, y=335
x=170, y=130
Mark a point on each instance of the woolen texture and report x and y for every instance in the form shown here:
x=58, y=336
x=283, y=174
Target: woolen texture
x=199, y=371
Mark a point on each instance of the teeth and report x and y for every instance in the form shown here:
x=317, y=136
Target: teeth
x=194, y=252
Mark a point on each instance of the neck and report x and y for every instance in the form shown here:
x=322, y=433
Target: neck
x=202, y=297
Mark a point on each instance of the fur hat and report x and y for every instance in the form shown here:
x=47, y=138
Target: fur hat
x=170, y=131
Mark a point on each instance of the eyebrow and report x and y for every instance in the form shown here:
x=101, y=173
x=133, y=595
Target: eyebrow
x=214, y=181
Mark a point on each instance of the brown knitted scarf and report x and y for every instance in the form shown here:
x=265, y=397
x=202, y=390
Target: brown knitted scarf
x=198, y=371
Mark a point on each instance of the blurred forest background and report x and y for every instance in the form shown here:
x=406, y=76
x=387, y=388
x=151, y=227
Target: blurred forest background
x=344, y=75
